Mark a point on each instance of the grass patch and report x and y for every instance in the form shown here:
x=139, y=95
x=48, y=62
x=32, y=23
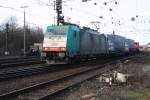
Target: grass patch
x=139, y=94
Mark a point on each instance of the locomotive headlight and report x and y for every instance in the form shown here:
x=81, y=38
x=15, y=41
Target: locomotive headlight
x=63, y=49
x=45, y=48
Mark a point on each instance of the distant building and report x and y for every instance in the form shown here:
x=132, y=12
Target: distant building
x=147, y=47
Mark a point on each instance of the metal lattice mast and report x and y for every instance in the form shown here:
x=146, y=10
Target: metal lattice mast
x=58, y=8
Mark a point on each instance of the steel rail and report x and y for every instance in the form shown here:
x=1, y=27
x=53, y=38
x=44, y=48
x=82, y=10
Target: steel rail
x=6, y=75
x=17, y=57
x=18, y=60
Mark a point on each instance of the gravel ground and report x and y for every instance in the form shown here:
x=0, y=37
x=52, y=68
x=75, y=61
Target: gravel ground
x=137, y=87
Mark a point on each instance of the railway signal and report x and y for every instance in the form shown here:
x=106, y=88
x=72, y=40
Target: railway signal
x=7, y=30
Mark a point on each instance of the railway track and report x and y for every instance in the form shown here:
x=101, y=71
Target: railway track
x=37, y=88
x=47, y=88
x=17, y=57
x=10, y=73
x=5, y=75
x=19, y=62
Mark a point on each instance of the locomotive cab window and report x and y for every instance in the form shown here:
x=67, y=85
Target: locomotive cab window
x=57, y=31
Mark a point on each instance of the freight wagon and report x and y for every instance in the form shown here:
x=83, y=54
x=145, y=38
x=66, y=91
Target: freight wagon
x=92, y=43
x=129, y=46
x=116, y=44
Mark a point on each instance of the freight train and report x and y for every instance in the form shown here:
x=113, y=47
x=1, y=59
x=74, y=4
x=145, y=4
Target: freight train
x=68, y=43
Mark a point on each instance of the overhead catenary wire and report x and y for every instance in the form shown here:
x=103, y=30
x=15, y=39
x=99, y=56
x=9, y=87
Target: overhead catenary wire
x=38, y=17
x=49, y=4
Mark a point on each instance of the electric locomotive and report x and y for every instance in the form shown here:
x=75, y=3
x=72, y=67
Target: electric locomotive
x=60, y=43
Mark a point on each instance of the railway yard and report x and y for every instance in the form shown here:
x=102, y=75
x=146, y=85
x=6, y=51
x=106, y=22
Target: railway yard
x=21, y=79
x=75, y=50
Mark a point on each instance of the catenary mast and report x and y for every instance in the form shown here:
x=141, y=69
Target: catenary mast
x=58, y=8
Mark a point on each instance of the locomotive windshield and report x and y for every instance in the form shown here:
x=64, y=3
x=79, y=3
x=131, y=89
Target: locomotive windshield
x=57, y=30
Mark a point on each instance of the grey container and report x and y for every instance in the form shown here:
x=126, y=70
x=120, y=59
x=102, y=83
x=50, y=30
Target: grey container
x=92, y=43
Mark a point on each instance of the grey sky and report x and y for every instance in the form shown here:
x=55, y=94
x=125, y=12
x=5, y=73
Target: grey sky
x=83, y=13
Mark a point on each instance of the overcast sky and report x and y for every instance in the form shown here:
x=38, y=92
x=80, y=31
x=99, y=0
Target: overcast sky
x=41, y=13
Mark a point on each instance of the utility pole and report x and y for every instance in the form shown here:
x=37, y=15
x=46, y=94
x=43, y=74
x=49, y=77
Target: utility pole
x=58, y=8
x=24, y=31
x=7, y=29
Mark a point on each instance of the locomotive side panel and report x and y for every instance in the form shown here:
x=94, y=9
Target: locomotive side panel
x=73, y=40
x=85, y=43
x=100, y=44
x=92, y=43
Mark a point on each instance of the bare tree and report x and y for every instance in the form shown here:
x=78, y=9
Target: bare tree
x=15, y=36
